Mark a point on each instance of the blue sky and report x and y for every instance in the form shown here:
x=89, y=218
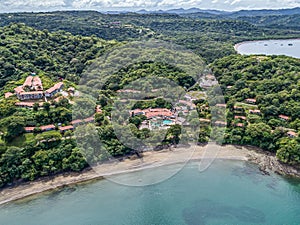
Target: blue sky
x=104, y=5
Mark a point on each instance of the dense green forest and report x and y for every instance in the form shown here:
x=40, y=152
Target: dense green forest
x=61, y=45
x=211, y=38
x=57, y=55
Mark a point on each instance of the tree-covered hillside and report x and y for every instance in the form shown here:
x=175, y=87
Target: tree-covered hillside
x=210, y=38
x=58, y=55
x=273, y=81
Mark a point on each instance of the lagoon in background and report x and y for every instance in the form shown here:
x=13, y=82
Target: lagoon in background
x=290, y=47
x=229, y=192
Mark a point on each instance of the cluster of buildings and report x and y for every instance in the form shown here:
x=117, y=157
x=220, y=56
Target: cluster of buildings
x=163, y=118
x=242, y=119
x=32, y=89
x=63, y=129
x=152, y=113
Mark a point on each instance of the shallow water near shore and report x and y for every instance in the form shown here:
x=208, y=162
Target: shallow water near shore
x=229, y=192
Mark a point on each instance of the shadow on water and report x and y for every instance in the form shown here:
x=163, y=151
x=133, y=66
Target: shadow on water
x=294, y=185
x=203, y=211
x=253, y=173
x=249, y=170
x=65, y=191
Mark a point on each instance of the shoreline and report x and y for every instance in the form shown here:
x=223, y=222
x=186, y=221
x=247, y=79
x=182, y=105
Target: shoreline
x=266, y=162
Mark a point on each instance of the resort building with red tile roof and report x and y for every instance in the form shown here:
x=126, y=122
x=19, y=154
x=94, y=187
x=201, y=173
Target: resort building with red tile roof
x=25, y=104
x=28, y=82
x=32, y=89
x=151, y=113
x=66, y=128
x=251, y=100
x=75, y=122
x=89, y=119
x=283, y=117
x=47, y=127
x=292, y=134
x=8, y=94
x=240, y=117
x=29, y=129
x=204, y=120
x=239, y=125
x=53, y=90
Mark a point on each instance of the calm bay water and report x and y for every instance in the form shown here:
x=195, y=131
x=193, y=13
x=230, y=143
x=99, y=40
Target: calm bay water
x=289, y=47
x=230, y=192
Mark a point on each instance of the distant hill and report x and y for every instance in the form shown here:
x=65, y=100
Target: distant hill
x=241, y=13
x=266, y=12
x=184, y=11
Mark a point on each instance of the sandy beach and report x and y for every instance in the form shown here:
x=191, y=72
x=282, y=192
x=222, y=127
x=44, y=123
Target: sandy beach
x=267, y=163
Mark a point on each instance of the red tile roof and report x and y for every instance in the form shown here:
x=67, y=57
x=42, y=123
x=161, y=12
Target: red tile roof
x=66, y=128
x=29, y=129
x=58, y=98
x=19, y=89
x=89, y=119
x=76, y=122
x=284, y=117
x=239, y=125
x=221, y=123
x=26, y=104
x=55, y=87
x=150, y=113
x=8, y=94
x=240, y=117
x=205, y=120
x=32, y=93
x=28, y=81
x=47, y=127
x=37, y=81
x=292, y=134
x=256, y=111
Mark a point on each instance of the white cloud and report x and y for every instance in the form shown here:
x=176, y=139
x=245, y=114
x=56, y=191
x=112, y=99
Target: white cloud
x=34, y=5
x=235, y=2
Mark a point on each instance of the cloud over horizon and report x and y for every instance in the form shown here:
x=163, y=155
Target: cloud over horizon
x=104, y=5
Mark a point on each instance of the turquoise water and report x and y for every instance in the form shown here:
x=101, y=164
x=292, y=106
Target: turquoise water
x=271, y=47
x=167, y=122
x=229, y=192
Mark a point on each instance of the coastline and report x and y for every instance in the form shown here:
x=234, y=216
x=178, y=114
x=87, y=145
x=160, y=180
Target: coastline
x=267, y=163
